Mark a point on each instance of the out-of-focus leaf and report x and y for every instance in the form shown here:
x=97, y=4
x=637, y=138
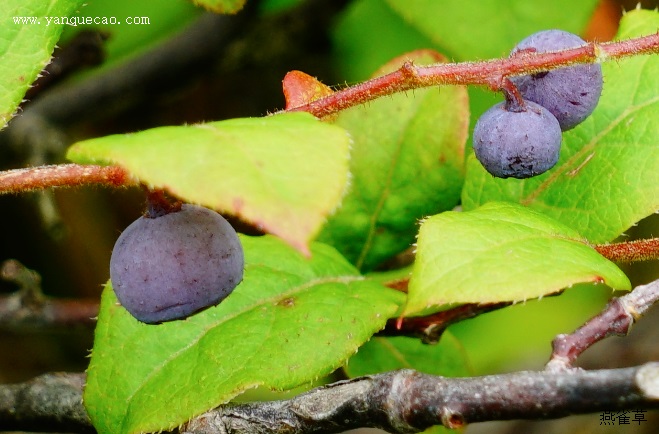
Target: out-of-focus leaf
x=221, y=6
x=382, y=354
x=407, y=159
x=28, y=34
x=489, y=28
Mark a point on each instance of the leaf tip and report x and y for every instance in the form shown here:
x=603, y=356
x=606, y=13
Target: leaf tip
x=301, y=88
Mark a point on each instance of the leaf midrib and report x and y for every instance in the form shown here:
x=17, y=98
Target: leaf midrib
x=282, y=295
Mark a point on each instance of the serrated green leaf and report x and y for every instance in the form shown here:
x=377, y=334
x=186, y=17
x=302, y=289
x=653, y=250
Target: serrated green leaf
x=607, y=177
x=500, y=252
x=221, y=6
x=290, y=321
x=283, y=173
x=489, y=28
x=407, y=162
x=27, y=41
x=383, y=354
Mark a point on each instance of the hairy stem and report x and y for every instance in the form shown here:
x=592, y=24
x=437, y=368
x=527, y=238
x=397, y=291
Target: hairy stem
x=61, y=175
x=490, y=73
x=157, y=204
x=631, y=251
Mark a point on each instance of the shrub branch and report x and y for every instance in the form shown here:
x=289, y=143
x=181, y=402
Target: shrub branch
x=29, y=308
x=402, y=401
x=616, y=319
x=490, y=73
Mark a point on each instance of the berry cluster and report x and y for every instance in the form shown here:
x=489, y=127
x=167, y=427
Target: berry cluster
x=171, y=263
x=521, y=137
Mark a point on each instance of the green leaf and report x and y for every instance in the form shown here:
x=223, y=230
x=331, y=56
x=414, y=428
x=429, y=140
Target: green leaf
x=290, y=321
x=407, y=162
x=500, y=252
x=368, y=34
x=383, y=354
x=27, y=41
x=135, y=27
x=519, y=335
x=489, y=28
x=283, y=173
x=221, y=6
x=607, y=177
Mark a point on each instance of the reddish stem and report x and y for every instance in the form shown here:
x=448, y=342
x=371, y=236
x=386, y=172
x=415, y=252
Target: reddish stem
x=70, y=175
x=430, y=328
x=492, y=73
x=157, y=204
x=514, y=101
x=630, y=251
x=489, y=73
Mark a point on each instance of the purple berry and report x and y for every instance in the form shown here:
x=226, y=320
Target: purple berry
x=169, y=266
x=517, y=143
x=571, y=93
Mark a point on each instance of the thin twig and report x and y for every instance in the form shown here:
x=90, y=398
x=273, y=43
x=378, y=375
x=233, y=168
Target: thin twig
x=616, y=319
x=430, y=328
x=492, y=73
x=29, y=308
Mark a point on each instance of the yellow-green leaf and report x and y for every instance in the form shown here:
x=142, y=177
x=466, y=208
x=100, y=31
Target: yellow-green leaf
x=500, y=252
x=283, y=173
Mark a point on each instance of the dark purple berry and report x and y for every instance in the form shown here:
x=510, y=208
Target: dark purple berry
x=517, y=143
x=570, y=93
x=169, y=266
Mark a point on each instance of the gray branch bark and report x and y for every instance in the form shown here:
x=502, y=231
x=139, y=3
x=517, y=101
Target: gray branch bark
x=50, y=403
x=402, y=402
x=409, y=402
